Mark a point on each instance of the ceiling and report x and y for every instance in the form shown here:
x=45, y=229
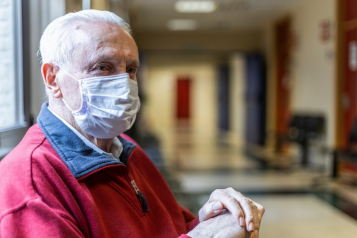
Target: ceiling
x=153, y=15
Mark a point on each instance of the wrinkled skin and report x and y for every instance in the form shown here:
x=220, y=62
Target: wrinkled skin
x=247, y=213
x=222, y=226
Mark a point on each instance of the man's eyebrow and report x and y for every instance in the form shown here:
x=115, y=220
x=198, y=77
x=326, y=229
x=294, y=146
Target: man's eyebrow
x=92, y=61
x=107, y=57
x=134, y=62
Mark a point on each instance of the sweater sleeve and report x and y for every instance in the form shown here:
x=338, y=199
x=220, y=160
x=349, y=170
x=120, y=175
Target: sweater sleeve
x=191, y=220
x=36, y=220
x=191, y=225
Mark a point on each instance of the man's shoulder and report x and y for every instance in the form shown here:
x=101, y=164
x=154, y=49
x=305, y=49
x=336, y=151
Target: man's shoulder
x=23, y=152
x=17, y=170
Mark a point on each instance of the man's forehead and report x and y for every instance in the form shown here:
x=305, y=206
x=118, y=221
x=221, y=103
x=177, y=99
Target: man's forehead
x=95, y=30
x=93, y=34
x=101, y=41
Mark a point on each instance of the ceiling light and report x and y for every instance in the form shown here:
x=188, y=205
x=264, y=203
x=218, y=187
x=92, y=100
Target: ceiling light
x=195, y=6
x=182, y=25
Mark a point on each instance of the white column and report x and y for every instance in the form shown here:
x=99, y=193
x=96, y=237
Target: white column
x=237, y=88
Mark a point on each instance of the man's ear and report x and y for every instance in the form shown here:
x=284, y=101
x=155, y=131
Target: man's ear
x=49, y=75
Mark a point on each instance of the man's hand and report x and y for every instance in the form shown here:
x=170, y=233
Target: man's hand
x=247, y=212
x=225, y=225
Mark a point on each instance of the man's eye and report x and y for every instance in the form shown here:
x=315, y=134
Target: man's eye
x=131, y=70
x=103, y=68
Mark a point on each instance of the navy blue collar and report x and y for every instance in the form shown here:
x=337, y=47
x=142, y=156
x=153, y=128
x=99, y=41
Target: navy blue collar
x=79, y=158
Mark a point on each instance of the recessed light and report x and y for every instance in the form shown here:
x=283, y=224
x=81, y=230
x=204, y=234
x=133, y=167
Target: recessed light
x=195, y=6
x=182, y=25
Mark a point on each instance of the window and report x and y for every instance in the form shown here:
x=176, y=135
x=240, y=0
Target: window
x=11, y=79
x=12, y=118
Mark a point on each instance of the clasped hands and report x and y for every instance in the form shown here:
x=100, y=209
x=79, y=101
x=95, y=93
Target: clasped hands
x=228, y=213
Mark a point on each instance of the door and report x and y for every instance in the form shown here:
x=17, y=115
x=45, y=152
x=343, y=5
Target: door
x=255, y=100
x=347, y=71
x=282, y=55
x=223, y=98
x=349, y=89
x=183, y=98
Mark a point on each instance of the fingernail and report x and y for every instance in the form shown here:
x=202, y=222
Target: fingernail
x=217, y=206
x=251, y=226
x=256, y=234
x=241, y=221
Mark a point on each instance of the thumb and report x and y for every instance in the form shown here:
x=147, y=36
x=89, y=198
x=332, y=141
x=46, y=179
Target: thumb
x=210, y=210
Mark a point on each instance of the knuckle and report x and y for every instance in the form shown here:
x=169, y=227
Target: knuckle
x=230, y=189
x=235, y=192
x=246, y=200
x=231, y=199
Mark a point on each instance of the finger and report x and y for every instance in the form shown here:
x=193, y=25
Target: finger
x=230, y=203
x=250, y=235
x=248, y=208
x=259, y=214
x=209, y=210
x=261, y=209
x=256, y=221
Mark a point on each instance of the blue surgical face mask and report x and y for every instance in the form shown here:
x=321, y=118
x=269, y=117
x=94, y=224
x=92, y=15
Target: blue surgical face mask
x=109, y=105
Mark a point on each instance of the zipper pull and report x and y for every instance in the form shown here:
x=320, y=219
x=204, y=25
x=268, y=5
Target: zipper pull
x=144, y=203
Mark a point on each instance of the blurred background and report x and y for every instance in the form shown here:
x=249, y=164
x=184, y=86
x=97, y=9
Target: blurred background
x=258, y=95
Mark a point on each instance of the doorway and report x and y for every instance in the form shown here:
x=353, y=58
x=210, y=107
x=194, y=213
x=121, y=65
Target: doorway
x=183, y=85
x=346, y=71
x=282, y=55
x=223, y=98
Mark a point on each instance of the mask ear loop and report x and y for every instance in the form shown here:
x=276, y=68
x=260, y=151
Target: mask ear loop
x=67, y=105
x=79, y=84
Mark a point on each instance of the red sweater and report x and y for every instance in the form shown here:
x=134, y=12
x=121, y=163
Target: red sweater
x=53, y=185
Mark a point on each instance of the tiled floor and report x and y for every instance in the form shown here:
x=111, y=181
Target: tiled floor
x=200, y=161
x=296, y=216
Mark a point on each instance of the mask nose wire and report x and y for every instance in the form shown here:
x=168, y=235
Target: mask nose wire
x=74, y=79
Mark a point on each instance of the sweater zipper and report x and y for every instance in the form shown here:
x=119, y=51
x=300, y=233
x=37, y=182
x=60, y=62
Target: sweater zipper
x=141, y=197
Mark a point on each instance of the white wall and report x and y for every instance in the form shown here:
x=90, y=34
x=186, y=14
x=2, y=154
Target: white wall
x=161, y=94
x=313, y=63
x=312, y=68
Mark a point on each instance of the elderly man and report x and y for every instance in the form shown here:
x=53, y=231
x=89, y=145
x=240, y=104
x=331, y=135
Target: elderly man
x=73, y=175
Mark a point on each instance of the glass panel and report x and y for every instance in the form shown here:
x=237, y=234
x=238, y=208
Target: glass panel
x=7, y=64
x=11, y=78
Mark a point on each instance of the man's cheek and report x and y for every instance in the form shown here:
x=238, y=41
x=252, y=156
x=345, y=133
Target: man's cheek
x=72, y=96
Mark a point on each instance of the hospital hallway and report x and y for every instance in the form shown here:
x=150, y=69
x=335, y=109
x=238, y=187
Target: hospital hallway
x=257, y=95
x=299, y=202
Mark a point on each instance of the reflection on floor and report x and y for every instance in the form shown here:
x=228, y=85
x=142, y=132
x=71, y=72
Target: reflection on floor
x=199, y=161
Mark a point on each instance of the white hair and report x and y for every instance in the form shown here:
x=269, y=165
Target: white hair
x=56, y=44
